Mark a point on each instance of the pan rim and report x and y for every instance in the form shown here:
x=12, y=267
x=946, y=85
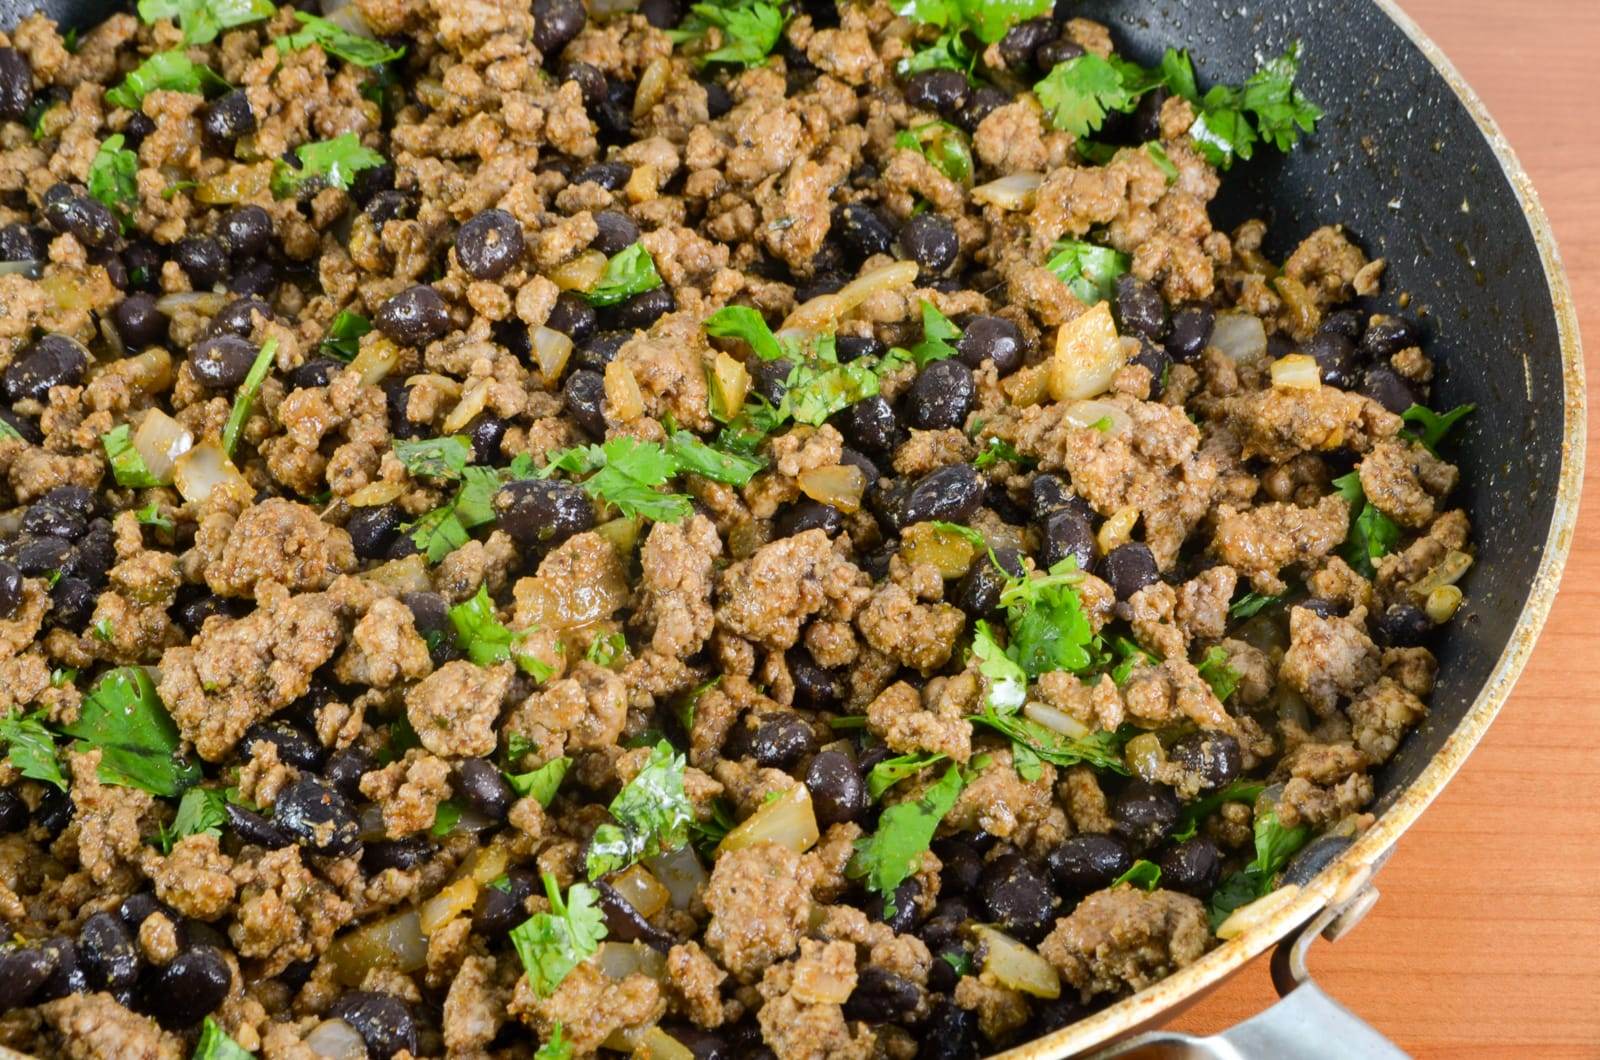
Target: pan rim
x=1297, y=905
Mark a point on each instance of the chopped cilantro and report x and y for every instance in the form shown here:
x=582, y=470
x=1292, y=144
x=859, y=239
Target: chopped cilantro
x=446, y=528
x=216, y=1044
x=625, y=472
x=555, y=1047
x=1090, y=271
x=997, y=450
x=1079, y=93
x=607, y=649
x=202, y=20
x=344, y=335
x=127, y=466
x=938, y=336
x=950, y=52
x=125, y=719
x=1163, y=161
x=708, y=835
x=1102, y=749
x=31, y=748
x=1197, y=811
x=246, y=395
x=486, y=641
x=1275, y=845
x=630, y=271
x=695, y=457
x=201, y=811
x=170, y=71
x=336, y=40
x=1049, y=630
x=750, y=30
x=1434, y=425
x=942, y=144
x=1373, y=534
x=114, y=177
x=1215, y=671
x=541, y=783
x=892, y=853
x=444, y=458
x=8, y=432
x=445, y=817
x=1142, y=874
x=891, y=771
x=742, y=322
x=960, y=960
x=552, y=944
x=1251, y=604
x=334, y=162
x=988, y=20
x=1006, y=682
x=652, y=816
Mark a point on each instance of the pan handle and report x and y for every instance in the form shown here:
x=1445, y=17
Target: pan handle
x=1305, y=1024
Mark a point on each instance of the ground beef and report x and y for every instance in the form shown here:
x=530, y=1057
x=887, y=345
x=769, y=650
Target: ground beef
x=1381, y=715
x=758, y=906
x=1328, y=658
x=453, y=711
x=898, y=718
x=96, y=1027
x=474, y=1007
x=195, y=879
x=676, y=563
x=1125, y=939
x=695, y=982
x=1000, y=802
x=1260, y=542
x=277, y=541
x=384, y=648
x=1404, y=481
x=802, y=1016
x=408, y=791
x=590, y=1005
x=584, y=712
x=767, y=597
x=1280, y=422
x=286, y=914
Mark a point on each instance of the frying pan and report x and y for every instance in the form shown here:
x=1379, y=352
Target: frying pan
x=1408, y=159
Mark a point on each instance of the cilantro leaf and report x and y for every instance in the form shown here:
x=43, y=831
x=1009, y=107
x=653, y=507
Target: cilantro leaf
x=1282, y=112
x=344, y=335
x=1090, y=271
x=1132, y=656
x=1163, y=161
x=960, y=960
x=949, y=52
x=335, y=162
x=892, y=853
x=1435, y=425
x=1049, y=629
x=138, y=742
x=336, y=40
x=997, y=450
x=31, y=748
x=1197, y=811
x=891, y=771
x=202, y=20
x=486, y=641
x=127, y=466
x=1275, y=845
x=1102, y=749
x=200, y=811
x=750, y=30
x=987, y=19
x=541, y=783
x=1142, y=874
x=1251, y=604
x=742, y=322
x=216, y=1044
x=150, y=515
x=606, y=649
x=938, y=336
x=697, y=458
x=1222, y=132
x=170, y=71
x=1373, y=535
x=552, y=944
x=555, y=1047
x=652, y=816
x=625, y=472
x=113, y=177
x=445, y=817
x=1079, y=93
x=1007, y=683
x=246, y=395
x=1215, y=671
x=444, y=458
x=446, y=528
x=630, y=271
x=8, y=432
x=942, y=144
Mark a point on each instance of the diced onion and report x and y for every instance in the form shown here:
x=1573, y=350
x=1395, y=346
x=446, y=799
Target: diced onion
x=1118, y=529
x=160, y=440
x=1296, y=371
x=336, y=1040
x=150, y=371
x=393, y=942
x=622, y=532
x=375, y=360
x=1447, y=571
x=825, y=310
x=641, y=890
x=348, y=16
x=450, y=902
x=817, y=983
x=29, y=267
x=1056, y=720
x=1094, y=413
x=618, y=960
x=1144, y=756
x=550, y=350
x=1443, y=603
x=641, y=186
x=1240, y=336
x=1257, y=912
x=652, y=86
x=681, y=873
x=1088, y=354
x=622, y=392
x=375, y=493
x=579, y=274
x=202, y=469
x=840, y=485
x=1014, y=192
x=787, y=820
x=1015, y=965
x=207, y=302
x=657, y=1044
x=473, y=402
x=485, y=864
x=949, y=553
x=408, y=574
x=730, y=382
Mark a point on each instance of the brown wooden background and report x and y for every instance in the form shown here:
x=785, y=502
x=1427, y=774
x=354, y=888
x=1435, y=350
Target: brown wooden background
x=1486, y=942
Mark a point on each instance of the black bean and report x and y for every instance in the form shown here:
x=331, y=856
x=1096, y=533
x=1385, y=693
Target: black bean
x=13, y=812
x=584, y=395
x=38, y=556
x=294, y=746
x=814, y=686
x=626, y=924
x=19, y=242
x=388, y=206
x=820, y=284
x=543, y=512
x=258, y=278
x=411, y=852
x=781, y=740
x=1314, y=857
x=718, y=99
x=1212, y=757
x=1191, y=332
x=941, y=91
x=641, y=310
x=226, y=118
x=857, y=459
x=870, y=425
x=16, y=85
x=72, y=601
x=1336, y=358
x=483, y=787
x=991, y=338
x=136, y=909
x=489, y=245
x=183, y=992
x=94, y=555
x=1129, y=568
x=1402, y=626
x=616, y=232
x=851, y=347
x=962, y=867
x=609, y=175
x=500, y=907
x=238, y=317
x=1320, y=607
x=372, y=182
x=591, y=82
x=1386, y=336
x=486, y=431
x=930, y=240
x=137, y=322
x=246, y=231
x=254, y=829
x=1067, y=533
x=86, y=219
x=318, y=817
x=1049, y=494
x=1140, y=309
x=1017, y=896
x=1384, y=385
x=951, y=494
x=555, y=23
x=1193, y=867
x=1024, y=39
x=862, y=230
x=55, y=360
x=978, y=591
x=808, y=514
x=111, y=261
x=615, y=115
x=24, y=971
x=414, y=317
x=951, y=1033
x=1156, y=361
x=68, y=977
x=881, y=995
x=903, y=916
x=941, y=395
x=984, y=101
x=662, y=14
x=1086, y=863
x=1347, y=322
x=1144, y=813
x=947, y=925
x=222, y=362
x=373, y=529
x=600, y=350
x=45, y=517
x=1055, y=1013
x=346, y=767
x=1054, y=52
x=202, y=259
x=143, y=261
x=109, y=953
x=573, y=316
x=770, y=379
x=398, y=398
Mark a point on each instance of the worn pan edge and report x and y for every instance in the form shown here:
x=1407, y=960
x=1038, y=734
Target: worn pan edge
x=1150, y=1006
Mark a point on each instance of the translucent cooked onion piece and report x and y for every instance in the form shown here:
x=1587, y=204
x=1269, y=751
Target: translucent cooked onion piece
x=1296, y=371
x=623, y=393
x=1096, y=414
x=1015, y=965
x=787, y=820
x=1017, y=191
x=840, y=485
x=29, y=267
x=205, y=302
x=551, y=349
x=579, y=274
x=949, y=553
x=1056, y=720
x=336, y=1040
x=473, y=402
x=204, y=468
x=618, y=960
x=1088, y=354
x=681, y=873
x=452, y=900
x=824, y=311
x=160, y=441
x=394, y=942
x=375, y=360
x=641, y=890
x=1240, y=336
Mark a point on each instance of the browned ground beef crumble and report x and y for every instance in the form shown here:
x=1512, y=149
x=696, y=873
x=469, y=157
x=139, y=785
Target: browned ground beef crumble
x=786, y=634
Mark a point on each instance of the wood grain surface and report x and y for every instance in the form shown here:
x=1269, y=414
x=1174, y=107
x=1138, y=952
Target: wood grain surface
x=1486, y=942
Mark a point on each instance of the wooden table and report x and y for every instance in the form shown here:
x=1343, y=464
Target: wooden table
x=1486, y=942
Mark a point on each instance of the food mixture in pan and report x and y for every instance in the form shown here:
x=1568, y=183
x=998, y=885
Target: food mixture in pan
x=721, y=531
